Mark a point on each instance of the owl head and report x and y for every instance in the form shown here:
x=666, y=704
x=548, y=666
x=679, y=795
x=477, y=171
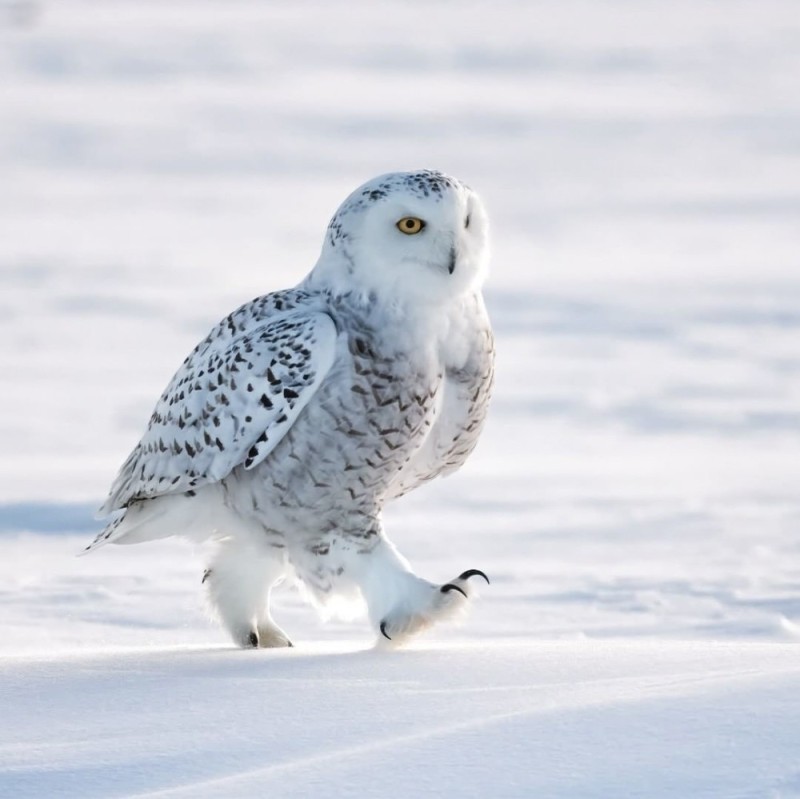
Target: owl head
x=406, y=237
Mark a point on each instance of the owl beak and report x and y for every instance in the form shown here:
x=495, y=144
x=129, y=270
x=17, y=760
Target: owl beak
x=451, y=266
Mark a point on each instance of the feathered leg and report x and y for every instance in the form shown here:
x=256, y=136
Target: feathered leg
x=239, y=580
x=399, y=603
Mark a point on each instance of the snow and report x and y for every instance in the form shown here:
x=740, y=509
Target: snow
x=634, y=498
x=518, y=719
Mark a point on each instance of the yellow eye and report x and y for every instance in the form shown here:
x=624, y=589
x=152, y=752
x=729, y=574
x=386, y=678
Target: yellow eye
x=410, y=225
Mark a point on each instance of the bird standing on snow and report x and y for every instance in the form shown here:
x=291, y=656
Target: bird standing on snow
x=302, y=413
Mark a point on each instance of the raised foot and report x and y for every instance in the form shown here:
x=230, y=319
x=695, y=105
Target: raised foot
x=430, y=605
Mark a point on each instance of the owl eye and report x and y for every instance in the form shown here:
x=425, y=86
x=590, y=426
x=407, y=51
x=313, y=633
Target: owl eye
x=410, y=225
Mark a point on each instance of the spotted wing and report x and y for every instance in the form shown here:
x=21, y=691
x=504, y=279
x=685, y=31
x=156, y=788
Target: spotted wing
x=230, y=404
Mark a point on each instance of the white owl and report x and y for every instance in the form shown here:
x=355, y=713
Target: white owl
x=288, y=428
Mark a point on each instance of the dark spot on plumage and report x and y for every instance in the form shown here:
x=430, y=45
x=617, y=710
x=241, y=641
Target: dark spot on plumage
x=252, y=452
x=248, y=418
x=271, y=377
x=219, y=445
x=190, y=451
x=281, y=419
x=265, y=401
x=207, y=438
x=262, y=438
x=250, y=387
x=288, y=393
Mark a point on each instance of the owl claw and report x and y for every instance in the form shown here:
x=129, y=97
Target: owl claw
x=473, y=573
x=424, y=605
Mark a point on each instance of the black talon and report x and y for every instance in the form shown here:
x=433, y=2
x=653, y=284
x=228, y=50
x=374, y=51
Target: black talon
x=252, y=639
x=450, y=587
x=383, y=631
x=473, y=573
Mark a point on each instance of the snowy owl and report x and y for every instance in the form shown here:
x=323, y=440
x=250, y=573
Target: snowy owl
x=288, y=428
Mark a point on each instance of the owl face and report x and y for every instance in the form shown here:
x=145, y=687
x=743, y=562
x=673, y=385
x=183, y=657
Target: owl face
x=419, y=236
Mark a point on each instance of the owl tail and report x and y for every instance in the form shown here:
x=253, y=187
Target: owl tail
x=141, y=521
x=197, y=516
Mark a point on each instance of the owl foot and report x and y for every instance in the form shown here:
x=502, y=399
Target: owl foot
x=271, y=636
x=265, y=637
x=239, y=581
x=432, y=604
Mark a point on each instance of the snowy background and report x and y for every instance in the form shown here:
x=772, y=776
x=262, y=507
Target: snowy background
x=634, y=498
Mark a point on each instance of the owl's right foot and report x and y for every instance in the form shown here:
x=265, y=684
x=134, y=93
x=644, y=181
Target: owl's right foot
x=238, y=583
x=266, y=637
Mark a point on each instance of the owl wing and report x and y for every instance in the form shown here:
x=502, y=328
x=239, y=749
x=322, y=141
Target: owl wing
x=229, y=404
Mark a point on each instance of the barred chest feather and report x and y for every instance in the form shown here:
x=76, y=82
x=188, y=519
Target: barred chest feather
x=401, y=405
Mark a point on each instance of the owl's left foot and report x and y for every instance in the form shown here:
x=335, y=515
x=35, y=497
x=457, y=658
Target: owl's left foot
x=434, y=603
x=456, y=585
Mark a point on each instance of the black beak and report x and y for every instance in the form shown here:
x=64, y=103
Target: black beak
x=451, y=267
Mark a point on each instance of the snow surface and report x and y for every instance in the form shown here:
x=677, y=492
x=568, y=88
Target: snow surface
x=634, y=498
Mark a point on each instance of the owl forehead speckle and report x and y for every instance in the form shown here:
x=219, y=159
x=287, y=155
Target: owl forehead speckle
x=421, y=184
